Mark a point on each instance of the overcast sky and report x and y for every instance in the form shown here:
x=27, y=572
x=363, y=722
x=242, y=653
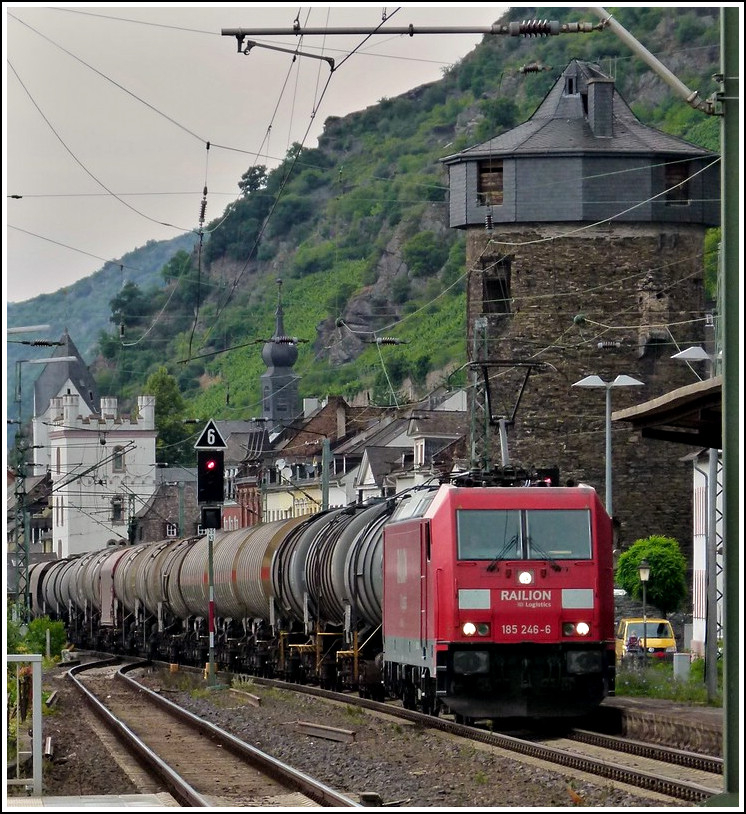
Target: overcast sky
x=108, y=110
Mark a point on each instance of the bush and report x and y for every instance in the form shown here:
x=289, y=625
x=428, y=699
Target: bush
x=667, y=585
x=35, y=640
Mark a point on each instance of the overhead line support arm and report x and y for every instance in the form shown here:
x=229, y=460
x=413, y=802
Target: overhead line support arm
x=526, y=28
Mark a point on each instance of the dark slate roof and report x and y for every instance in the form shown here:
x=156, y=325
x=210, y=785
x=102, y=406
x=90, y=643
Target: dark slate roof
x=53, y=377
x=244, y=440
x=171, y=474
x=560, y=126
x=439, y=424
x=378, y=434
x=37, y=488
x=385, y=460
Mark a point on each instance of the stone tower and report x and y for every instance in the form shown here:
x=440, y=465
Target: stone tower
x=585, y=250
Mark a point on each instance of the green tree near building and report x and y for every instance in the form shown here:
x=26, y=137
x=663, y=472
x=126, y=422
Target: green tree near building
x=666, y=588
x=171, y=446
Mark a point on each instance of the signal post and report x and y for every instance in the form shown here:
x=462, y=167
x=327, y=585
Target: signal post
x=210, y=476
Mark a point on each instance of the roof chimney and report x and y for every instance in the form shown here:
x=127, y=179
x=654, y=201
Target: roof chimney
x=601, y=107
x=341, y=421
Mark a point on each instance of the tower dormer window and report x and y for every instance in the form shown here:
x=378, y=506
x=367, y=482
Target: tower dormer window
x=676, y=181
x=490, y=183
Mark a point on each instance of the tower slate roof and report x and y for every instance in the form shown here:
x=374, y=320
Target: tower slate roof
x=562, y=125
x=53, y=377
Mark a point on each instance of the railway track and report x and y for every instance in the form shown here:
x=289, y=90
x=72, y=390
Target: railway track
x=670, y=772
x=199, y=764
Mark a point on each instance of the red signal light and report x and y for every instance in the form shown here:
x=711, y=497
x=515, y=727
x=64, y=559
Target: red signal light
x=209, y=476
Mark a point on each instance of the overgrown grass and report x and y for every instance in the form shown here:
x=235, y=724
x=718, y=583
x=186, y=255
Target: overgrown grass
x=657, y=680
x=354, y=712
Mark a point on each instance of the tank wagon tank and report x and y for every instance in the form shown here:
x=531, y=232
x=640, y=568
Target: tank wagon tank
x=485, y=601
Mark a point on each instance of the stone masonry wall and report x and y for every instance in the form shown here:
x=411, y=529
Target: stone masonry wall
x=609, y=300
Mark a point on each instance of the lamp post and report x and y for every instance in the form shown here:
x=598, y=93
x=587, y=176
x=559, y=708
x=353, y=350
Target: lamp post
x=644, y=570
x=22, y=531
x=597, y=381
x=699, y=354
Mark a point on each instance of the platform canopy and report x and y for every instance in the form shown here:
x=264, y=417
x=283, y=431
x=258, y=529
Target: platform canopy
x=689, y=415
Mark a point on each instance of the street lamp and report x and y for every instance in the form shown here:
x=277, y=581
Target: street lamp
x=22, y=531
x=693, y=354
x=597, y=381
x=644, y=570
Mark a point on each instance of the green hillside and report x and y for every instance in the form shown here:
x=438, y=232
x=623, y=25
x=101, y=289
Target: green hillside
x=356, y=228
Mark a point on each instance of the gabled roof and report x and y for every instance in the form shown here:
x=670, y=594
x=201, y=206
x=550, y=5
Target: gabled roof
x=53, y=377
x=560, y=126
x=382, y=461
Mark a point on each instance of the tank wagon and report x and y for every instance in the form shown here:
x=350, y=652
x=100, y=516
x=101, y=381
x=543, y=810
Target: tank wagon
x=484, y=601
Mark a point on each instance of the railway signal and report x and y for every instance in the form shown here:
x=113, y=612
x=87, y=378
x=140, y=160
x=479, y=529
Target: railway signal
x=210, y=476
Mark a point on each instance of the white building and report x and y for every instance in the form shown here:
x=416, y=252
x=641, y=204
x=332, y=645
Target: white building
x=102, y=463
x=103, y=472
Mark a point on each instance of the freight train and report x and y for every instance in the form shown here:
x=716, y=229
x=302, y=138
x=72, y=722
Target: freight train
x=481, y=601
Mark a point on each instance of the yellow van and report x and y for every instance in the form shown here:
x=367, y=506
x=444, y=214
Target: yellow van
x=653, y=636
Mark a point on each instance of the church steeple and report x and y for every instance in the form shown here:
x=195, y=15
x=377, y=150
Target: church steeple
x=279, y=328
x=279, y=383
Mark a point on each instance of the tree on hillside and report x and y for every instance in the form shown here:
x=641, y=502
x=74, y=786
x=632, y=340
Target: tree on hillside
x=171, y=447
x=425, y=253
x=129, y=306
x=255, y=178
x=666, y=587
x=499, y=115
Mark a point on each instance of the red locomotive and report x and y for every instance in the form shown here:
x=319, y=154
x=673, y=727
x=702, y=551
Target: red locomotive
x=498, y=602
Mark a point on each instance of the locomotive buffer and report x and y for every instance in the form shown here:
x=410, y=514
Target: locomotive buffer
x=210, y=448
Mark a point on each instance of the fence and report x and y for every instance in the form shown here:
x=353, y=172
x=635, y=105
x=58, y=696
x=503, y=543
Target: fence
x=36, y=726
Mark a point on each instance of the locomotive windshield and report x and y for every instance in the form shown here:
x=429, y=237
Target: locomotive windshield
x=525, y=534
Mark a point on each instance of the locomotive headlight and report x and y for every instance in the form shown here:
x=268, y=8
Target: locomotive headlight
x=526, y=577
x=573, y=629
x=482, y=628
